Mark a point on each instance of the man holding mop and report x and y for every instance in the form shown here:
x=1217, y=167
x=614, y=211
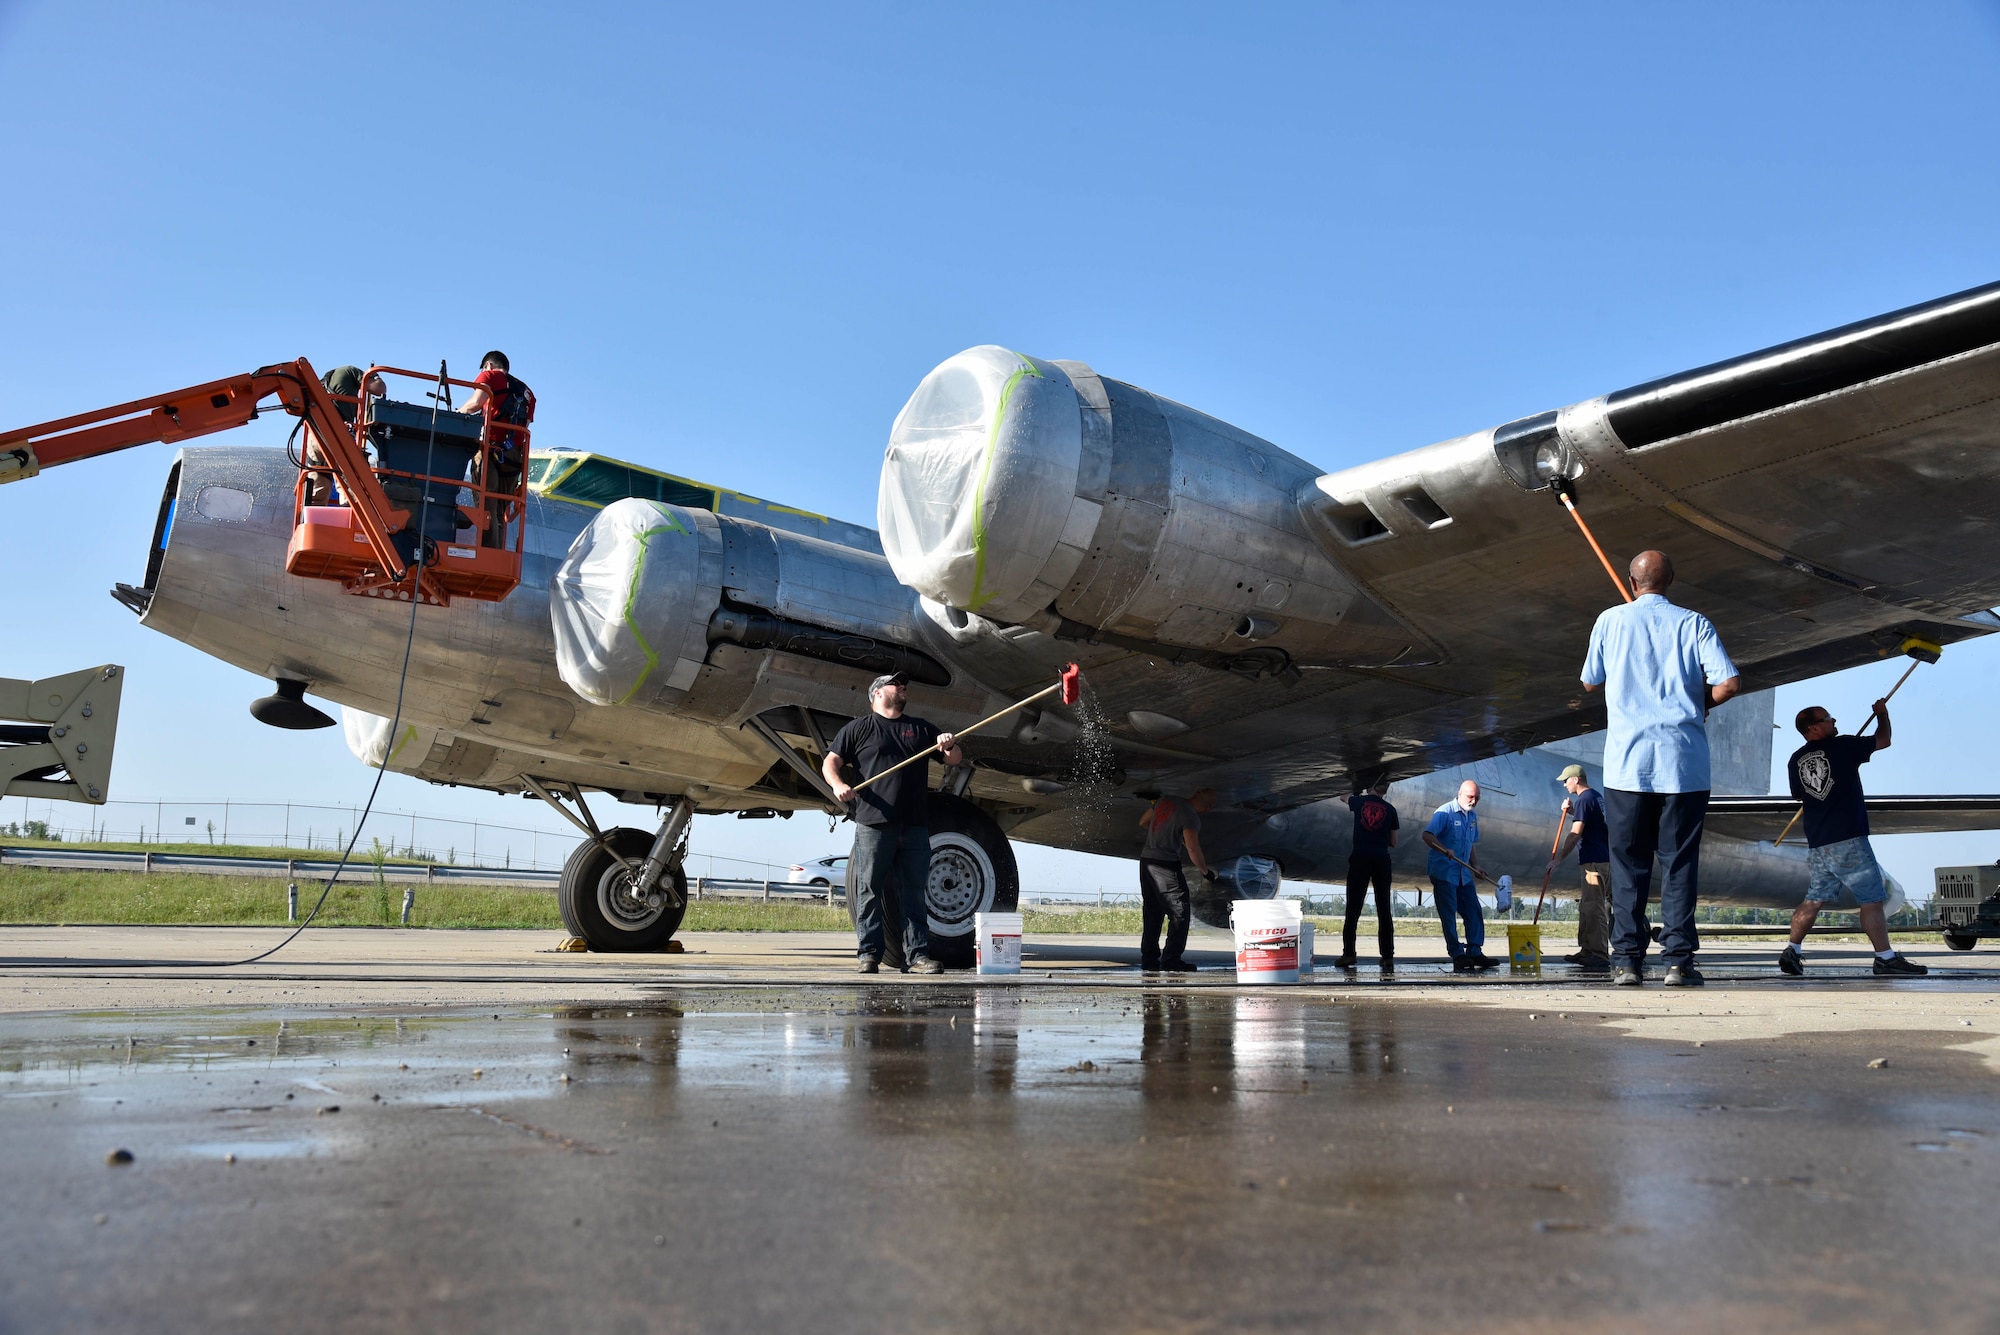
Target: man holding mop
x=1453, y=836
x=1583, y=811
x=1826, y=779
x=892, y=838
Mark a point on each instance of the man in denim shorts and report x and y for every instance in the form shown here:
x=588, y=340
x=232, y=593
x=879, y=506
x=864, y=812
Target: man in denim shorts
x=1826, y=779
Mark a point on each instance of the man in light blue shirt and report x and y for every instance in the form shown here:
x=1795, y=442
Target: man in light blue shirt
x=1453, y=838
x=1661, y=668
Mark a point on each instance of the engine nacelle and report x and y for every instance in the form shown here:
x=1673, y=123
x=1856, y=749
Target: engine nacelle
x=648, y=587
x=1039, y=493
x=632, y=601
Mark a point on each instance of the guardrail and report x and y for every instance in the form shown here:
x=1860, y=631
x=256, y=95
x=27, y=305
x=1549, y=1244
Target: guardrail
x=399, y=873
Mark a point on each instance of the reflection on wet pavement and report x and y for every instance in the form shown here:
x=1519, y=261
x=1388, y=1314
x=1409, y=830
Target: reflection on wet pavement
x=978, y=1158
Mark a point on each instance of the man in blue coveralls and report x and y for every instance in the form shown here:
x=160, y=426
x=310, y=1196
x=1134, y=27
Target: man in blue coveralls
x=1453, y=833
x=1661, y=668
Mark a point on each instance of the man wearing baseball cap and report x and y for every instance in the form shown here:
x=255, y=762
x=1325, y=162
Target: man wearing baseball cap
x=1584, y=809
x=892, y=838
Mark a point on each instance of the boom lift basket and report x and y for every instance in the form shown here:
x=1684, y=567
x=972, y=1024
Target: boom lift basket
x=457, y=481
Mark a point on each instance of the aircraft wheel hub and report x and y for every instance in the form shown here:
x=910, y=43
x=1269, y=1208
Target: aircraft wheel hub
x=961, y=883
x=623, y=909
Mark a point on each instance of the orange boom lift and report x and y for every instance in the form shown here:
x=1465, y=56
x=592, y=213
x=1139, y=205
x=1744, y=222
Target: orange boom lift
x=436, y=515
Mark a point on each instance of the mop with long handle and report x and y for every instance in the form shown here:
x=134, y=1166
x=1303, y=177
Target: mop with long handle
x=1070, y=684
x=1562, y=819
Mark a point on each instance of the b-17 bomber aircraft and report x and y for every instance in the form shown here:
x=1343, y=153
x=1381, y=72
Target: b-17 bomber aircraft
x=1245, y=621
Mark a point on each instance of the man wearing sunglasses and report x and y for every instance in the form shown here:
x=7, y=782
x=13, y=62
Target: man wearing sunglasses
x=1826, y=780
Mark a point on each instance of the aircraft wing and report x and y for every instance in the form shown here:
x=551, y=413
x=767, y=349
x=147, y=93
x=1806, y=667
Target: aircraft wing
x=1822, y=501
x=1761, y=818
x=1250, y=623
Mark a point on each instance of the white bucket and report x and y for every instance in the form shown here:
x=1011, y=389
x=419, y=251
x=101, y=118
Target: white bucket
x=1305, y=947
x=999, y=942
x=1267, y=940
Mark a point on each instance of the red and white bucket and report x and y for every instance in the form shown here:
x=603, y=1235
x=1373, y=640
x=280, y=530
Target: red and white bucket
x=1267, y=940
x=999, y=936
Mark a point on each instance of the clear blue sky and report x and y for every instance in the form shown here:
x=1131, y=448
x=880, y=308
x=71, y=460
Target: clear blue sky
x=729, y=240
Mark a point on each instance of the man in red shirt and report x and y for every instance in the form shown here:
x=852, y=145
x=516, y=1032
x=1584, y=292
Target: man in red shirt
x=509, y=406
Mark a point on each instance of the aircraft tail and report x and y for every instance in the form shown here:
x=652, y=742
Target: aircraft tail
x=1739, y=744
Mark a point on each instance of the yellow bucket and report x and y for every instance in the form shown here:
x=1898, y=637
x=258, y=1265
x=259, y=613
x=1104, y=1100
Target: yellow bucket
x=1524, y=947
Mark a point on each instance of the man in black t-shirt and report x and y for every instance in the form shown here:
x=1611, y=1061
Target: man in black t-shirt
x=1826, y=779
x=892, y=838
x=1375, y=826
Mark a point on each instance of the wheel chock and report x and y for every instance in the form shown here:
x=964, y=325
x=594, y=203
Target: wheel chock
x=575, y=943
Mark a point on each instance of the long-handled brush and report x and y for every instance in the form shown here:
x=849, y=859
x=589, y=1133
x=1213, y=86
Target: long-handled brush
x=1562, y=819
x=1070, y=683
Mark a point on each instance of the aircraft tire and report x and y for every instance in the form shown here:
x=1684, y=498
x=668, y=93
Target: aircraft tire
x=972, y=871
x=1956, y=942
x=587, y=896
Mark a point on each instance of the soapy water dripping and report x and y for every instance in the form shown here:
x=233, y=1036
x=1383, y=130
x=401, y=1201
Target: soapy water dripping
x=1093, y=778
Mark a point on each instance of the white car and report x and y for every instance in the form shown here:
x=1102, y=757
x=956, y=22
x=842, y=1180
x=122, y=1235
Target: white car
x=826, y=871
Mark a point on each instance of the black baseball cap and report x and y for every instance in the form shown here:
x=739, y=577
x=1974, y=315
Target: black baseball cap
x=888, y=679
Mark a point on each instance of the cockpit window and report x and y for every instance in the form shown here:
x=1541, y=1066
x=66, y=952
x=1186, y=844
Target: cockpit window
x=602, y=481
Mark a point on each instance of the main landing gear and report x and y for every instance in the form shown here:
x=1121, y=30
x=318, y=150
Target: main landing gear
x=622, y=889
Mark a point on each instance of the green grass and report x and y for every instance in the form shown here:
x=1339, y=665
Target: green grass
x=1107, y=922
x=35, y=895
x=755, y=916
x=363, y=854
x=43, y=897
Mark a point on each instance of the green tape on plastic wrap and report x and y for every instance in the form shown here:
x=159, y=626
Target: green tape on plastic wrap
x=672, y=525
x=409, y=735
x=979, y=597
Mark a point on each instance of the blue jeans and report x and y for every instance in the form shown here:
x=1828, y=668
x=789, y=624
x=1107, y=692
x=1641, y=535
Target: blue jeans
x=891, y=860
x=1643, y=825
x=1455, y=901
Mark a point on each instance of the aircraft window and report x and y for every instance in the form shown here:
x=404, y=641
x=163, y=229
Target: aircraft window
x=538, y=468
x=1356, y=523
x=602, y=481
x=225, y=505
x=1423, y=507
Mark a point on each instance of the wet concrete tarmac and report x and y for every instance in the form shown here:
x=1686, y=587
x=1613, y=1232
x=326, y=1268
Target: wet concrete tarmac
x=957, y=1157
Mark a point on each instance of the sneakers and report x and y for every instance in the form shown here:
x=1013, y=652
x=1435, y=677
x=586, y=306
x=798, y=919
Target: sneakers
x=868, y=965
x=1177, y=966
x=1791, y=965
x=1899, y=965
x=1624, y=975
x=926, y=965
x=1683, y=975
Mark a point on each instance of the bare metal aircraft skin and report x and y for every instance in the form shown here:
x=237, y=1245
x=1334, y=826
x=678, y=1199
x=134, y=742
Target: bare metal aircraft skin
x=1246, y=621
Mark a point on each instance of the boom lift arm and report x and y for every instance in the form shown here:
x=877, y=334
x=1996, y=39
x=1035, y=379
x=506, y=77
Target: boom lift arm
x=221, y=405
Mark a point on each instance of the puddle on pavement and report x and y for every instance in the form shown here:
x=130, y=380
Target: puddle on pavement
x=1186, y=1054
